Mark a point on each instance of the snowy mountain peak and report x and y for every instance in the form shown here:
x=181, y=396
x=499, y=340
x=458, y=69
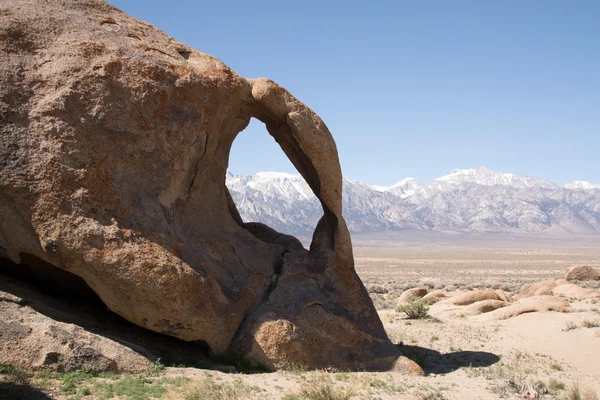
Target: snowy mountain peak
x=487, y=177
x=274, y=175
x=405, y=182
x=272, y=185
x=581, y=185
x=401, y=183
x=485, y=201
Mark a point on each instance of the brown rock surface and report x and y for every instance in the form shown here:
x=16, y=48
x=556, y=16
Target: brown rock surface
x=573, y=291
x=582, y=273
x=411, y=293
x=435, y=296
x=537, y=288
x=527, y=305
x=472, y=297
x=483, y=306
x=114, y=146
x=31, y=339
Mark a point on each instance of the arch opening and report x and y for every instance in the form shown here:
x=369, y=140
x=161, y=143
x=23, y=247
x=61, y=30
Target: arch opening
x=266, y=187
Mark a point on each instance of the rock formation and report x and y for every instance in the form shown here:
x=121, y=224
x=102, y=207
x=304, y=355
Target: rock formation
x=582, y=273
x=409, y=294
x=475, y=296
x=32, y=335
x=114, y=146
x=527, y=305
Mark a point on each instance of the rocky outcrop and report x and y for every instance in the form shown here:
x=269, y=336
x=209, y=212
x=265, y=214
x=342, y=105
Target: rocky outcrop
x=114, y=147
x=474, y=296
x=557, y=287
x=409, y=294
x=30, y=339
x=538, y=288
x=576, y=292
x=435, y=296
x=582, y=273
x=527, y=305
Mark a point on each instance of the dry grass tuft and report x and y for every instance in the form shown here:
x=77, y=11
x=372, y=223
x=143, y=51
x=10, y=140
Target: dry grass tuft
x=321, y=388
x=208, y=389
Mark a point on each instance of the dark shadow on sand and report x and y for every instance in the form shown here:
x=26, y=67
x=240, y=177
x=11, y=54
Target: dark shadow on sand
x=434, y=362
x=65, y=297
x=13, y=390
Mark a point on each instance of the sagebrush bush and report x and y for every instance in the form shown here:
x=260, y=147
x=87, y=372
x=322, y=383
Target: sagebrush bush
x=414, y=308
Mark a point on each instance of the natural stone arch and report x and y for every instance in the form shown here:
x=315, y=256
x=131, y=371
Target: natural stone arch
x=116, y=156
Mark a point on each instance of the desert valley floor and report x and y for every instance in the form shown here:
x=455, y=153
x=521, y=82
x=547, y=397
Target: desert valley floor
x=465, y=355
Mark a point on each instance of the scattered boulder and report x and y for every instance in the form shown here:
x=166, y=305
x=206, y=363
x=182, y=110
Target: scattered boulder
x=582, y=273
x=411, y=293
x=537, y=288
x=472, y=297
x=477, y=308
x=573, y=291
x=435, y=296
x=505, y=296
x=115, y=146
x=483, y=306
x=530, y=304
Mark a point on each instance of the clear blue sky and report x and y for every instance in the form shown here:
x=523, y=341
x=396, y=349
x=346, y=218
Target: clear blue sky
x=415, y=88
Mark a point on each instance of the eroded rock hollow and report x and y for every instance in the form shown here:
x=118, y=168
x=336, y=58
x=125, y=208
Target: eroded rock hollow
x=114, y=146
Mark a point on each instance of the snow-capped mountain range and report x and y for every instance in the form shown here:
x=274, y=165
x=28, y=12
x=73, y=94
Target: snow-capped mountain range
x=466, y=200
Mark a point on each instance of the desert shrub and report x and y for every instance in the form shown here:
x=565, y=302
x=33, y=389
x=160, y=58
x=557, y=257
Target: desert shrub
x=414, y=308
x=569, y=326
x=591, y=324
x=322, y=388
x=556, y=385
x=576, y=392
x=379, y=289
x=211, y=390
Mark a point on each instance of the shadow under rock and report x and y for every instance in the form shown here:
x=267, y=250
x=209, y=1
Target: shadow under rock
x=65, y=297
x=434, y=362
x=12, y=390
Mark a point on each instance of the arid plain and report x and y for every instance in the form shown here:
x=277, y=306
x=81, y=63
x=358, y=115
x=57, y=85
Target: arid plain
x=466, y=352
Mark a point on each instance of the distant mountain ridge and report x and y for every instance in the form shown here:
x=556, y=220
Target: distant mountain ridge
x=466, y=200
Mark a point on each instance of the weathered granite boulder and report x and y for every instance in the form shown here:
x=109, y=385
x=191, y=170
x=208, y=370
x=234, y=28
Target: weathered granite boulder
x=582, y=273
x=527, y=305
x=114, y=145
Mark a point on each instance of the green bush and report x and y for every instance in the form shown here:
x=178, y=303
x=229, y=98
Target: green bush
x=414, y=308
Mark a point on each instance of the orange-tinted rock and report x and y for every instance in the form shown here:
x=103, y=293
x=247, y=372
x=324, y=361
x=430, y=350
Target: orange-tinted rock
x=582, y=273
x=530, y=304
x=537, y=288
x=435, y=296
x=472, y=297
x=417, y=292
x=483, y=306
x=573, y=291
x=114, y=146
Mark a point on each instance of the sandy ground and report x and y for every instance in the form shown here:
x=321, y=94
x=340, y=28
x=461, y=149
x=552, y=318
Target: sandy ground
x=463, y=259
x=535, y=355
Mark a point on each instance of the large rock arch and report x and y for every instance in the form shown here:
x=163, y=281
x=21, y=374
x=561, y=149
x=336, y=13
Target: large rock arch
x=113, y=152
